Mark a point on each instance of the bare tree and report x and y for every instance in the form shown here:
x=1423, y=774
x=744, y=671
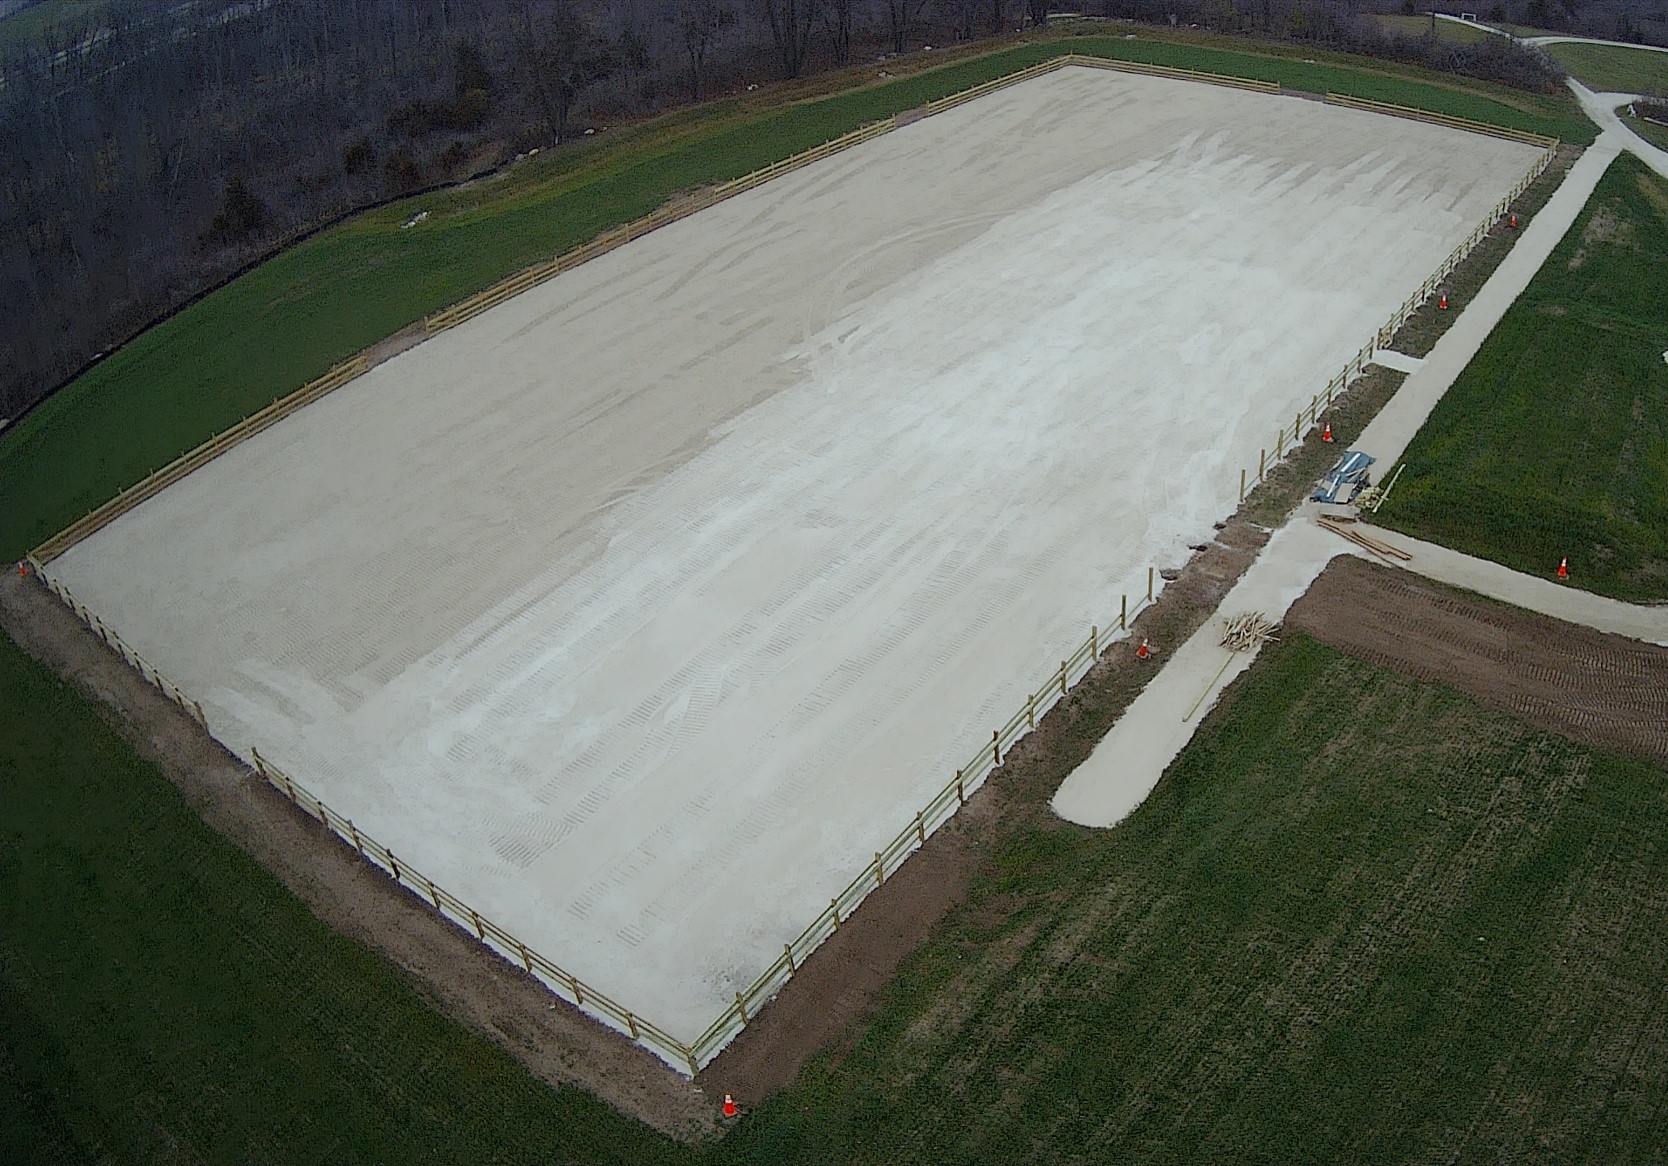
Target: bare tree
x=700, y=23
x=561, y=55
x=791, y=24
x=837, y=22
x=900, y=15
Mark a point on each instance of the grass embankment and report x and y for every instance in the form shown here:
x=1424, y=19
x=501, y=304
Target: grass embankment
x=1360, y=920
x=288, y=320
x=1612, y=68
x=1554, y=440
x=1451, y=31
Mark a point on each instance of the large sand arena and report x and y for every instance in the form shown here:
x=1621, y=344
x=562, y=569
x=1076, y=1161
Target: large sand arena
x=642, y=610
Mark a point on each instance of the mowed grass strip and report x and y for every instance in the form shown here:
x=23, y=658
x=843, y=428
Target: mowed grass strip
x=1612, y=68
x=287, y=321
x=1360, y=920
x=1554, y=440
x=164, y=999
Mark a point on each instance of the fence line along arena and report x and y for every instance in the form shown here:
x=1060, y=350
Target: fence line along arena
x=641, y=610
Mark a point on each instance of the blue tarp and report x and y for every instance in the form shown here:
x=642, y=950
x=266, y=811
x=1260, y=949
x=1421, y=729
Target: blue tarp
x=1349, y=473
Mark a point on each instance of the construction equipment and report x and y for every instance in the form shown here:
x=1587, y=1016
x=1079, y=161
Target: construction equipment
x=1348, y=473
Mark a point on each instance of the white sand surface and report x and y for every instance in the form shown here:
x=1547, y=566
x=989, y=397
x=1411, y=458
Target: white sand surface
x=640, y=611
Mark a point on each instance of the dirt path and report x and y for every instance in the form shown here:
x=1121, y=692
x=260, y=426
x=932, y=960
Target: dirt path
x=1603, y=690
x=463, y=979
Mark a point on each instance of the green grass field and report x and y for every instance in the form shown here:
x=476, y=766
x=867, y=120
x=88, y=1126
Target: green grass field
x=164, y=999
x=1447, y=30
x=1613, y=68
x=1653, y=132
x=287, y=321
x=1554, y=440
x=51, y=18
x=1360, y=920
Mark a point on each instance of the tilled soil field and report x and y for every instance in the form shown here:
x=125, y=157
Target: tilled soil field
x=1602, y=690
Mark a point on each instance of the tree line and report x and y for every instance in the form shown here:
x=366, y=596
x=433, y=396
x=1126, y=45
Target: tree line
x=153, y=150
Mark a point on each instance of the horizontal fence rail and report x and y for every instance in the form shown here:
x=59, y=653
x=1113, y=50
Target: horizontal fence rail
x=138, y=663
x=1443, y=119
x=1308, y=416
x=940, y=808
x=531, y=277
x=161, y=479
x=950, y=797
x=558, y=980
x=1175, y=74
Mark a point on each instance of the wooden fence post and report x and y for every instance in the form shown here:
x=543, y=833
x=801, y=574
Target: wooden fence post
x=475, y=918
x=1262, y=467
x=358, y=843
x=1031, y=710
x=834, y=906
x=394, y=865
x=920, y=828
x=1062, y=678
x=880, y=872
x=1094, y=643
x=631, y=1023
x=1123, y=613
x=996, y=748
x=787, y=950
x=1242, y=485
x=741, y=1009
x=1149, y=584
x=961, y=790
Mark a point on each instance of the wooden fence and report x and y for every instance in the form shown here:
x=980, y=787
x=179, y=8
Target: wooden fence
x=940, y=808
x=1443, y=119
x=943, y=805
x=1175, y=74
x=160, y=480
x=1308, y=416
x=531, y=277
x=138, y=663
x=692, y=1057
x=554, y=977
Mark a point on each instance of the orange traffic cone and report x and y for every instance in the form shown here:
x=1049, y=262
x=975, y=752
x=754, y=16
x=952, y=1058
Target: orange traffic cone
x=1326, y=434
x=730, y=1109
x=1143, y=652
x=1564, y=567
x=1511, y=223
x=23, y=570
x=1442, y=304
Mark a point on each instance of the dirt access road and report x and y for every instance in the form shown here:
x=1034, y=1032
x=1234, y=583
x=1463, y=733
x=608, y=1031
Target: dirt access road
x=1605, y=691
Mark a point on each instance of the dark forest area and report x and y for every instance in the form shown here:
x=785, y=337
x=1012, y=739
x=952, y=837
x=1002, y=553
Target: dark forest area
x=152, y=150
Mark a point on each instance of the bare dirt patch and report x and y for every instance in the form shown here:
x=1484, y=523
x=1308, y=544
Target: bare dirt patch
x=1605, y=691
